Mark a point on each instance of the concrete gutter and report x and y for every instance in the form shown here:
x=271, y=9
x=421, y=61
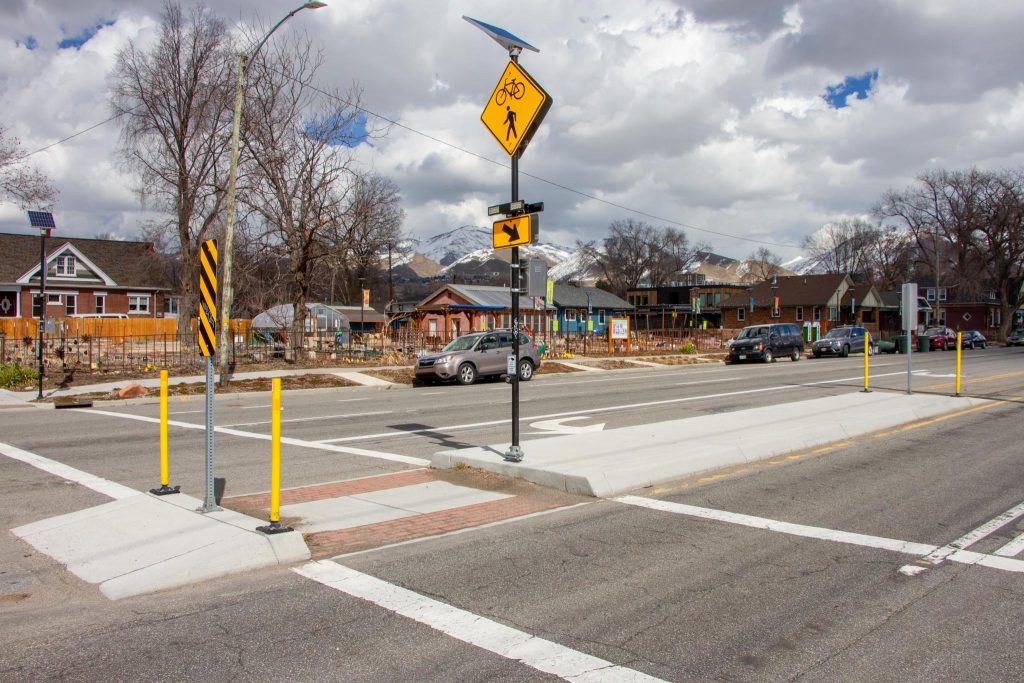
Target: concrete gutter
x=608, y=463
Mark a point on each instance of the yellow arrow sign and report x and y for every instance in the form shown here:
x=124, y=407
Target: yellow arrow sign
x=512, y=232
x=515, y=109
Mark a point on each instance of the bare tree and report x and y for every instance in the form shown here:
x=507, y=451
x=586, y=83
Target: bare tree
x=889, y=257
x=20, y=180
x=763, y=264
x=175, y=105
x=840, y=247
x=635, y=251
x=374, y=220
x=299, y=181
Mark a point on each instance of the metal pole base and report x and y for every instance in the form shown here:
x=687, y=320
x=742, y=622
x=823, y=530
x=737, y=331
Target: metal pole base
x=514, y=454
x=165, y=490
x=274, y=528
x=209, y=507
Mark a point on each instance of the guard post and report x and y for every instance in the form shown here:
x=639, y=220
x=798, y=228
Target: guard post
x=959, y=350
x=164, y=488
x=512, y=115
x=275, y=526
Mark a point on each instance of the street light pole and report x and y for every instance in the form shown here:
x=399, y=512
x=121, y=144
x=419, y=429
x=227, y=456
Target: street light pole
x=229, y=228
x=43, y=233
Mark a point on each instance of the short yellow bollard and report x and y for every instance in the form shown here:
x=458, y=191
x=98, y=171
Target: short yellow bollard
x=275, y=526
x=959, y=350
x=164, y=489
x=867, y=352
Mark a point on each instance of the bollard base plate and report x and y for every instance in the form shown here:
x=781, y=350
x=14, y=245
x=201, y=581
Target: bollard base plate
x=513, y=454
x=274, y=528
x=165, y=490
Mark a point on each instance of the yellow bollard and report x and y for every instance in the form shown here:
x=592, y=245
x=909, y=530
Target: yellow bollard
x=959, y=349
x=275, y=462
x=867, y=352
x=164, y=476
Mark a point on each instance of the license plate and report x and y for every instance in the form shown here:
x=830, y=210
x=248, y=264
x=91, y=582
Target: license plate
x=742, y=357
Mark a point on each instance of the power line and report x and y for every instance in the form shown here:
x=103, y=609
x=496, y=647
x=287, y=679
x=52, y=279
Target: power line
x=463, y=150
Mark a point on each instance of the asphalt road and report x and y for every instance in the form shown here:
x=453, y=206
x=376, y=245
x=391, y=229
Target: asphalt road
x=671, y=593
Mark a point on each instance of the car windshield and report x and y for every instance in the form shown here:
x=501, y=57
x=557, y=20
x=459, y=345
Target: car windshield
x=935, y=330
x=753, y=332
x=837, y=333
x=462, y=343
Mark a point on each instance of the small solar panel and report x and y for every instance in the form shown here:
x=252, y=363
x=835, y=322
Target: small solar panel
x=41, y=219
x=500, y=35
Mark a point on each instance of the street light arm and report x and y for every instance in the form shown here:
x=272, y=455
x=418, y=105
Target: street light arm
x=307, y=5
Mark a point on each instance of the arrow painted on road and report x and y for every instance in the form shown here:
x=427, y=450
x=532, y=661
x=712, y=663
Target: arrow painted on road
x=557, y=427
x=512, y=231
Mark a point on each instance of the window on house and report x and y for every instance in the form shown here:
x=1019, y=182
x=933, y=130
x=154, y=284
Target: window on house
x=799, y=313
x=53, y=299
x=139, y=303
x=37, y=305
x=71, y=304
x=172, y=305
x=570, y=315
x=741, y=314
x=602, y=317
x=66, y=265
x=101, y=303
x=930, y=294
x=942, y=294
x=816, y=314
x=833, y=313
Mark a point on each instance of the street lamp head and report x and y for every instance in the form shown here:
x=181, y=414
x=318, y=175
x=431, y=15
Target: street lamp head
x=314, y=5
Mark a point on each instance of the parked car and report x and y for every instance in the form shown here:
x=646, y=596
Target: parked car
x=941, y=338
x=842, y=341
x=767, y=342
x=1016, y=337
x=972, y=339
x=480, y=354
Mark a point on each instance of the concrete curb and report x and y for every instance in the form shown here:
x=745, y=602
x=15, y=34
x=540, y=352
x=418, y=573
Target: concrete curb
x=612, y=462
x=143, y=543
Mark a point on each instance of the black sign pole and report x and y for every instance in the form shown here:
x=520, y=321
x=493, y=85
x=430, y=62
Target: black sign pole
x=515, y=453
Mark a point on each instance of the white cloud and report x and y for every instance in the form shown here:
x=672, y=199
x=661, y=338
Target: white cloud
x=704, y=112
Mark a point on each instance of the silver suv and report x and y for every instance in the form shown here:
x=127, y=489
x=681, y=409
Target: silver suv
x=479, y=354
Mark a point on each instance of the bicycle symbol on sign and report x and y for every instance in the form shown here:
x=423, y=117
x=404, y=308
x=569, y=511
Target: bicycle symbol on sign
x=513, y=88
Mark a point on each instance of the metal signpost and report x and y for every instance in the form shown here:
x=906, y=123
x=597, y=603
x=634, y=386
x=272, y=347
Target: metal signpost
x=909, y=309
x=44, y=221
x=207, y=338
x=512, y=115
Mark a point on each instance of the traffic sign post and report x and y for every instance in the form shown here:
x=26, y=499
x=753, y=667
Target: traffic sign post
x=512, y=114
x=207, y=338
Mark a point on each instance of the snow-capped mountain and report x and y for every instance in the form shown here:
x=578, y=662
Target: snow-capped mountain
x=448, y=247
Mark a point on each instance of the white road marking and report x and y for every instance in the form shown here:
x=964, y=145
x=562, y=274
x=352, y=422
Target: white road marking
x=380, y=455
x=246, y=408
x=895, y=545
x=312, y=419
x=939, y=555
x=537, y=653
x=1013, y=548
x=589, y=411
x=98, y=484
x=184, y=412
x=349, y=400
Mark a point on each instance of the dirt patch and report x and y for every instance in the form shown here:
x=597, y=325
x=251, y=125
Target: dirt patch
x=612, y=365
x=681, y=359
x=396, y=375
x=312, y=381
x=553, y=367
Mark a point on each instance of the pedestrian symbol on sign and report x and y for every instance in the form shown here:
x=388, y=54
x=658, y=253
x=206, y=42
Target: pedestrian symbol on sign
x=510, y=122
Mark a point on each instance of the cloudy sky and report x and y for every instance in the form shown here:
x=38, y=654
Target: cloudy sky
x=747, y=123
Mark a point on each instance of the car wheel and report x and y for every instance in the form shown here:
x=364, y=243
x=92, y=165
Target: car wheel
x=846, y=350
x=466, y=374
x=984, y=345
x=769, y=357
x=795, y=355
x=525, y=371
x=868, y=349
x=970, y=345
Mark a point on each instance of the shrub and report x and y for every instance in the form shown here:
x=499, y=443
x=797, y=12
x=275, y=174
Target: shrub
x=15, y=376
x=688, y=347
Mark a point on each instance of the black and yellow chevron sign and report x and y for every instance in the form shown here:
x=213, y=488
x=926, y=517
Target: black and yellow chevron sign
x=208, y=298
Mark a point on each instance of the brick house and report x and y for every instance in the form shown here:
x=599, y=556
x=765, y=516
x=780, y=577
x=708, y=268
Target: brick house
x=828, y=300
x=453, y=310
x=83, y=277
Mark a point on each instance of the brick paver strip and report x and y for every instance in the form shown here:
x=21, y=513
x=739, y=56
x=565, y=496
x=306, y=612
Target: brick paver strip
x=330, y=543
x=306, y=494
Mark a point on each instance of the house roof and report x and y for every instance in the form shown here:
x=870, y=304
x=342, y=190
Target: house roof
x=799, y=290
x=359, y=313
x=478, y=296
x=128, y=264
x=570, y=296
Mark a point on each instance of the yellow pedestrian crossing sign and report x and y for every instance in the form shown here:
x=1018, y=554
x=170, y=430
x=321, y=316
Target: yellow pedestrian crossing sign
x=515, y=110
